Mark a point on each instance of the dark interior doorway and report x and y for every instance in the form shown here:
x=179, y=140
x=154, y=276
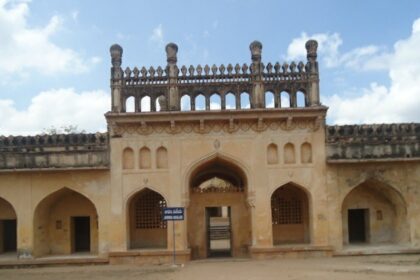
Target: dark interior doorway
x=81, y=234
x=9, y=235
x=358, y=225
x=219, y=242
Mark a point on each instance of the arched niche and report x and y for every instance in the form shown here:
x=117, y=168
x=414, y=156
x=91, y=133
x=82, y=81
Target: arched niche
x=8, y=227
x=290, y=215
x=65, y=222
x=128, y=158
x=147, y=229
x=306, y=153
x=162, y=158
x=374, y=213
x=145, y=158
x=218, y=193
x=289, y=153
x=272, y=154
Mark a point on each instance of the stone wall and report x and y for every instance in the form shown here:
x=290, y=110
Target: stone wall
x=54, y=151
x=373, y=142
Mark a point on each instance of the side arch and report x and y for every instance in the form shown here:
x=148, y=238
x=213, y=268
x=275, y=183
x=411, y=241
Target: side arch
x=65, y=222
x=8, y=227
x=374, y=212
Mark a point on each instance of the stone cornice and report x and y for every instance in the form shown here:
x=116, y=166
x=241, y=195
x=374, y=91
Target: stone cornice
x=207, y=121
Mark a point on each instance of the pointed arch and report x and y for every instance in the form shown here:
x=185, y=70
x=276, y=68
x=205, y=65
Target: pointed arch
x=300, y=99
x=145, y=104
x=128, y=158
x=230, y=101
x=186, y=103
x=8, y=227
x=285, y=99
x=217, y=182
x=290, y=208
x=245, y=100
x=374, y=212
x=215, y=102
x=146, y=226
x=269, y=99
x=129, y=104
x=145, y=158
x=65, y=222
x=200, y=102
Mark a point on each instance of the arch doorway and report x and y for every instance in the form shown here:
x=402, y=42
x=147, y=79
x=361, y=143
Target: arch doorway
x=218, y=216
x=65, y=222
x=290, y=215
x=374, y=213
x=8, y=224
x=146, y=227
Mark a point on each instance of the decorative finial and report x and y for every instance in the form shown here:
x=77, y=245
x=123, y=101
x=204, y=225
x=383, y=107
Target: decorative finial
x=256, y=49
x=171, y=51
x=116, y=55
x=311, y=48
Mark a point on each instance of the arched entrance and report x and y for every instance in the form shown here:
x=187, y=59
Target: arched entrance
x=290, y=215
x=65, y=222
x=8, y=226
x=146, y=227
x=374, y=213
x=218, y=215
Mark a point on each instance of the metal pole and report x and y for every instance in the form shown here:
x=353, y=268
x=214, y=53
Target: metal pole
x=173, y=230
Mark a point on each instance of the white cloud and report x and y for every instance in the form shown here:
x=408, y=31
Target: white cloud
x=25, y=48
x=75, y=15
x=400, y=102
x=157, y=35
x=364, y=58
x=56, y=108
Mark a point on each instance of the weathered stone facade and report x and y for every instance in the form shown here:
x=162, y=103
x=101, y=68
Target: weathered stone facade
x=276, y=179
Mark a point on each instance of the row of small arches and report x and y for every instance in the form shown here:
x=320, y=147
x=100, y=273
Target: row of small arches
x=145, y=158
x=216, y=101
x=289, y=153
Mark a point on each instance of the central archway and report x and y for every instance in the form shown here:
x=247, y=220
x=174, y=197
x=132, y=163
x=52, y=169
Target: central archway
x=219, y=220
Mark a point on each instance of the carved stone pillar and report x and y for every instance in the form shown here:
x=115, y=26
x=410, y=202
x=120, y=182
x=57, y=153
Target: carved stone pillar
x=257, y=94
x=172, y=72
x=313, y=91
x=116, y=52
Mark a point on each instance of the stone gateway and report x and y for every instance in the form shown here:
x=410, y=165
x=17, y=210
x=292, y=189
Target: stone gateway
x=244, y=149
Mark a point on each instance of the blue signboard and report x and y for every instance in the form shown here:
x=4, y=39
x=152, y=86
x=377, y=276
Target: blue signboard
x=173, y=214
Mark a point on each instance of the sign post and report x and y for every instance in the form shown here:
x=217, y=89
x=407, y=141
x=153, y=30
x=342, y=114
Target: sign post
x=173, y=214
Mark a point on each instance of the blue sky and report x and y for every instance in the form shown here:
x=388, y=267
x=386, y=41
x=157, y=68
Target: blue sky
x=54, y=55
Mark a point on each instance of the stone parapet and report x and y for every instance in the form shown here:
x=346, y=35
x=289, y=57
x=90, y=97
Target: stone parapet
x=54, y=151
x=373, y=142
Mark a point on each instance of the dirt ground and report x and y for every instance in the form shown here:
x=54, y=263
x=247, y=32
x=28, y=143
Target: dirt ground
x=400, y=267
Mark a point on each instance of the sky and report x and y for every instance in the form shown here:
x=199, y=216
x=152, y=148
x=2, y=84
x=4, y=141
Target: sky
x=55, y=63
